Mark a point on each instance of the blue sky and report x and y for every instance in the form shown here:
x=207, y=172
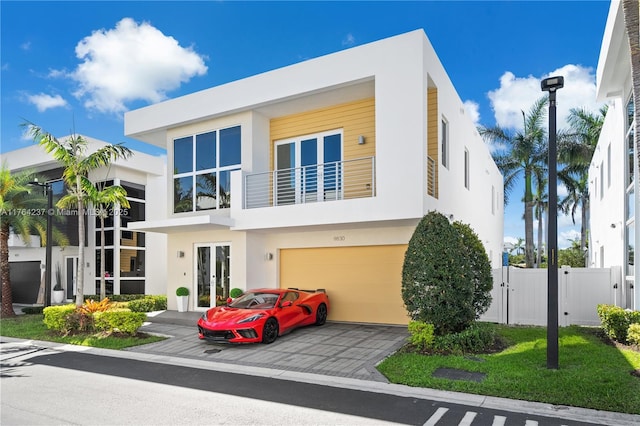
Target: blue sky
x=80, y=65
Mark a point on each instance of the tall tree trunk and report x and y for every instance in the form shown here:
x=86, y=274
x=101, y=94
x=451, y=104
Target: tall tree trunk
x=80, y=276
x=583, y=230
x=528, y=221
x=103, y=281
x=539, y=256
x=7, y=296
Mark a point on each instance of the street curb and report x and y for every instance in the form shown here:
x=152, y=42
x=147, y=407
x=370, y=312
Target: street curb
x=490, y=402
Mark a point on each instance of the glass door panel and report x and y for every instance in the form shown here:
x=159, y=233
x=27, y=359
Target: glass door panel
x=285, y=183
x=203, y=277
x=332, y=156
x=309, y=165
x=222, y=271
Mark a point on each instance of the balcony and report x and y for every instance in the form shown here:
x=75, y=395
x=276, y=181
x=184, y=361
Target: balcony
x=316, y=183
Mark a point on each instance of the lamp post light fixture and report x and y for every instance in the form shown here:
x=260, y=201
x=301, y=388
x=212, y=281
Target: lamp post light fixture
x=47, y=278
x=551, y=85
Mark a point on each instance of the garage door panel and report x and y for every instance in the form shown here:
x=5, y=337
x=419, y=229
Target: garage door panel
x=363, y=283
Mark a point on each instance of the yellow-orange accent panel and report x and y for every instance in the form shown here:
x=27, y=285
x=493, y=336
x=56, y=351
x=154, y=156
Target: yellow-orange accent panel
x=363, y=283
x=432, y=136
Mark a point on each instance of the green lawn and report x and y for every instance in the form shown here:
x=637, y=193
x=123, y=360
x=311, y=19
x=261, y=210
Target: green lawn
x=31, y=327
x=591, y=374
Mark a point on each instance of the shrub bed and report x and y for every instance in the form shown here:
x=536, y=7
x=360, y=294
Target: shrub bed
x=148, y=304
x=93, y=316
x=616, y=321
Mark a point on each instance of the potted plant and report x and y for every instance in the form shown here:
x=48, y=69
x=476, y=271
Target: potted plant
x=58, y=291
x=182, y=295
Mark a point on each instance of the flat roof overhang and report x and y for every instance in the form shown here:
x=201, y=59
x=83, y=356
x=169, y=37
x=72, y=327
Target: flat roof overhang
x=182, y=224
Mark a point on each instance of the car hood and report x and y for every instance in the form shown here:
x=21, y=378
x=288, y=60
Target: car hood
x=229, y=314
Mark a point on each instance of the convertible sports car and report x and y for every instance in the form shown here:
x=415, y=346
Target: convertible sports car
x=261, y=315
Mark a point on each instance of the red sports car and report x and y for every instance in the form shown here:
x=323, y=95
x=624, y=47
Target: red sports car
x=261, y=315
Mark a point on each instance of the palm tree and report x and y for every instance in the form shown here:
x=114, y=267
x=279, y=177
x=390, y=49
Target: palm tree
x=518, y=246
x=15, y=201
x=576, y=148
x=525, y=153
x=77, y=163
x=102, y=198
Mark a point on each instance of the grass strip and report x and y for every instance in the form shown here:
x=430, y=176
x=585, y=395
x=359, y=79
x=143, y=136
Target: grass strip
x=591, y=374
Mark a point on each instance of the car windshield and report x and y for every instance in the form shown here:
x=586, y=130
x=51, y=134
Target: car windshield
x=255, y=301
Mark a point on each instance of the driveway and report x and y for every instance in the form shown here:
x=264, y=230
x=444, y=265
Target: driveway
x=334, y=349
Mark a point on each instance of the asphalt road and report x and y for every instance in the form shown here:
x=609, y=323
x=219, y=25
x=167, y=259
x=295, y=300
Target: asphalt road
x=53, y=387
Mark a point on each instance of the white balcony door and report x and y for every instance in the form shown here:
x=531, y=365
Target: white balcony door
x=308, y=168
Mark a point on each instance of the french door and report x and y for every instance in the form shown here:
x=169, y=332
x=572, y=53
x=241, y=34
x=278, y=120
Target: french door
x=212, y=273
x=308, y=168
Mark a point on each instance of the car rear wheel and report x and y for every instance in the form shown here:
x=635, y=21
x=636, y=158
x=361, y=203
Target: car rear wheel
x=270, y=331
x=321, y=314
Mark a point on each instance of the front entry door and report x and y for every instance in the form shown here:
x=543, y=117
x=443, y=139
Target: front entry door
x=71, y=275
x=212, y=273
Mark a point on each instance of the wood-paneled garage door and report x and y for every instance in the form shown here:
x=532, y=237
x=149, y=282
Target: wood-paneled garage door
x=363, y=283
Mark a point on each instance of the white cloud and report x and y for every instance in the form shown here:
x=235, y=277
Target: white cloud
x=26, y=45
x=131, y=62
x=349, y=40
x=517, y=94
x=472, y=109
x=565, y=238
x=43, y=102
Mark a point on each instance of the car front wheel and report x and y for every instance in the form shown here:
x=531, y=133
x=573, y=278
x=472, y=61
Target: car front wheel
x=270, y=331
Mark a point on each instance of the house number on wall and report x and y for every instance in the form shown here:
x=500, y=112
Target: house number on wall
x=339, y=238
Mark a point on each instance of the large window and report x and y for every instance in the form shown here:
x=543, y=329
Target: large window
x=124, y=249
x=202, y=166
x=466, y=168
x=444, y=142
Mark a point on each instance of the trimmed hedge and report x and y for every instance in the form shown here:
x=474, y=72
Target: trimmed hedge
x=148, y=304
x=122, y=321
x=67, y=318
x=55, y=317
x=421, y=334
x=633, y=334
x=616, y=321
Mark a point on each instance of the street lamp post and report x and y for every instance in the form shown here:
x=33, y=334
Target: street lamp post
x=47, y=278
x=551, y=85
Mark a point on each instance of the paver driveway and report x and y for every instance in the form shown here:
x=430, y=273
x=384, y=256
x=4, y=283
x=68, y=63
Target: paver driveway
x=334, y=349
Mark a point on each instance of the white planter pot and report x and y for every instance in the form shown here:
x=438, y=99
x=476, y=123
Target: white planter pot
x=183, y=303
x=58, y=296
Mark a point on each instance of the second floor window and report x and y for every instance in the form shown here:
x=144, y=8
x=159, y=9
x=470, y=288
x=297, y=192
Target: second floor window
x=202, y=166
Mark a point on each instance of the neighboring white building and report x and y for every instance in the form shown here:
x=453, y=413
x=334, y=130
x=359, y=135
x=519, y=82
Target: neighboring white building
x=131, y=257
x=612, y=182
x=315, y=176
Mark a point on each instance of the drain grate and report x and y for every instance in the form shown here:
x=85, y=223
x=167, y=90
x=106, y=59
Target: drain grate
x=212, y=351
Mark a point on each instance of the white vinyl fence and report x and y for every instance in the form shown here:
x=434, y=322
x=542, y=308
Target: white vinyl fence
x=519, y=296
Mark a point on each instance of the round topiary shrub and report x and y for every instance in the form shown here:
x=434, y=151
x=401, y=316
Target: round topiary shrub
x=445, y=278
x=235, y=292
x=182, y=291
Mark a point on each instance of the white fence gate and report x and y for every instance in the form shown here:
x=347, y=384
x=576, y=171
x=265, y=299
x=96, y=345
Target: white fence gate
x=519, y=296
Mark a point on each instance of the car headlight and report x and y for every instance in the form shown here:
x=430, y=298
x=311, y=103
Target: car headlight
x=251, y=318
x=204, y=315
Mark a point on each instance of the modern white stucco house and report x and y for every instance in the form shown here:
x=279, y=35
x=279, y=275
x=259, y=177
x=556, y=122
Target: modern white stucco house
x=315, y=175
x=613, y=172
x=130, y=256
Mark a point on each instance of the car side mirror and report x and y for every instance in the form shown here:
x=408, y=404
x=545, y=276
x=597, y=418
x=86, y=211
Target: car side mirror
x=286, y=304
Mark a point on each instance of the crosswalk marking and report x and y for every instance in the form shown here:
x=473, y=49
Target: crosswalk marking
x=433, y=420
x=499, y=420
x=468, y=418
